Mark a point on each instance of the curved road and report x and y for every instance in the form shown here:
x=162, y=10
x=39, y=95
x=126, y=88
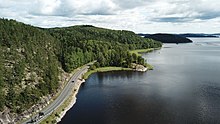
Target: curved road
x=60, y=99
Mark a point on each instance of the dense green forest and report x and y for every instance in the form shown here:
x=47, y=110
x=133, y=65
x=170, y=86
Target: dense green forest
x=169, y=38
x=32, y=59
x=28, y=65
x=82, y=44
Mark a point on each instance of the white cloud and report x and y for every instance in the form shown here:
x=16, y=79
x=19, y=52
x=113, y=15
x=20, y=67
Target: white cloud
x=136, y=15
x=102, y=7
x=45, y=7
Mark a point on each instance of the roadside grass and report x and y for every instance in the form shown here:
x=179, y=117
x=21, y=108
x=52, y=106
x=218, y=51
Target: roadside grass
x=51, y=119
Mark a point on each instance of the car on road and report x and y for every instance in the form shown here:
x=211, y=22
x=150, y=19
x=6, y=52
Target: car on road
x=41, y=114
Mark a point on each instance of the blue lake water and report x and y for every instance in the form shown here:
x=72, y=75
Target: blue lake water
x=183, y=88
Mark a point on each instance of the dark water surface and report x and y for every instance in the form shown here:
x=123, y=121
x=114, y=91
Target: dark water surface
x=183, y=88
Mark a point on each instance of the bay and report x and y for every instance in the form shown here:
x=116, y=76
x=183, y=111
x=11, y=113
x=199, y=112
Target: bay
x=184, y=87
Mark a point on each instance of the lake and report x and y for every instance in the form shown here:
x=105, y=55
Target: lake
x=183, y=88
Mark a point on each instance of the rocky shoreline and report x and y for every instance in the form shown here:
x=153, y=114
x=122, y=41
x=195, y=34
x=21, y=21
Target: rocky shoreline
x=73, y=99
x=137, y=67
x=7, y=117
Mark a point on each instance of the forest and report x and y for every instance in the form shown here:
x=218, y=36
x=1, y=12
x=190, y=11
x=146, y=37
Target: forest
x=169, y=38
x=33, y=59
x=82, y=44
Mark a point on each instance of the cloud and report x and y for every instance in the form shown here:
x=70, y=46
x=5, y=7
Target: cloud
x=188, y=10
x=172, y=19
x=73, y=7
x=45, y=7
x=136, y=15
x=130, y=4
x=98, y=7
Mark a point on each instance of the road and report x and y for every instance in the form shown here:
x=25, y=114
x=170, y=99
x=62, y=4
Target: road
x=60, y=99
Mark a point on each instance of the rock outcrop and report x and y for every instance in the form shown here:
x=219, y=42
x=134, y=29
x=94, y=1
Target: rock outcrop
x=138, y=67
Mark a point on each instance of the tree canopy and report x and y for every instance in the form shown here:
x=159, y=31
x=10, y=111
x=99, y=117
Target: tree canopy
x=81, y=44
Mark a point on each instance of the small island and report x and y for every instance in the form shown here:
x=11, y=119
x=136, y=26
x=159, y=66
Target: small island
x=169, y=38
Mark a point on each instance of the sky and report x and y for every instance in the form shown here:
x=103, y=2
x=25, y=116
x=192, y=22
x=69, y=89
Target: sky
x=140, y=16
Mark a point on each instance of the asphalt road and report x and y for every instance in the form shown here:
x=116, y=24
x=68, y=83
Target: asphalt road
x=59, y=100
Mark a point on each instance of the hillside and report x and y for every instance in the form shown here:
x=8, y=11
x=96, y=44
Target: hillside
x=81, y=44
x=33, y=60
x=28, y=65
x=169, y=38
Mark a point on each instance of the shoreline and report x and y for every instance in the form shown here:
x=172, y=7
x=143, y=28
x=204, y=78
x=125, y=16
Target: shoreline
x=139, y=51
x=60, y=112
x=70, y=102
x=72, y=98
x=105, y=69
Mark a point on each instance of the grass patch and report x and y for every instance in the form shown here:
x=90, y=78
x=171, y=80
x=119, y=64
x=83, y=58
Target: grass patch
x=51, y=118
x=149, y=67
x=138, y=51
x=104, y=69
